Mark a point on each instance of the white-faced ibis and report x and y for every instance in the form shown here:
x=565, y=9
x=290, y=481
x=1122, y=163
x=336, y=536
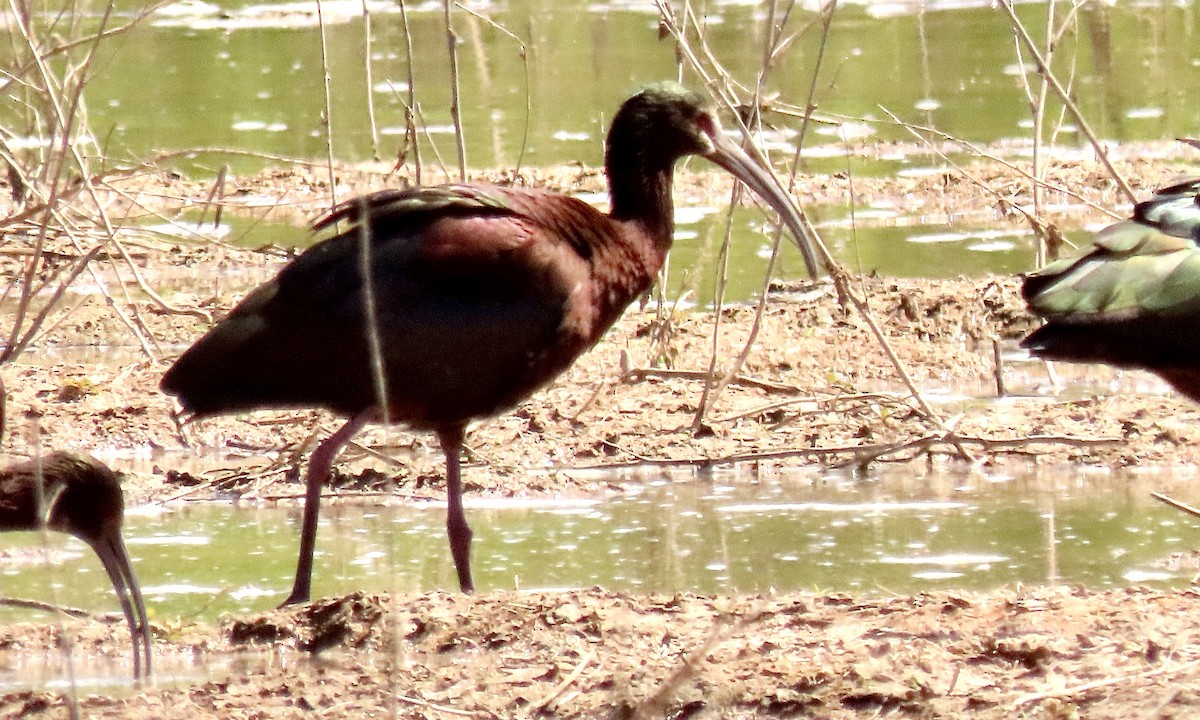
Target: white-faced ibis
x=79, y=495
x=483, y=294
x=1133, y=298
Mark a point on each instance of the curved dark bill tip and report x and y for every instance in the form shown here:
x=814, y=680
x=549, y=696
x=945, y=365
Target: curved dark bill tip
x=729, y=156
x=115, y=558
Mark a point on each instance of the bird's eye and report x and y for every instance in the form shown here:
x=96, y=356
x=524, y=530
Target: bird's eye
x=707, y=124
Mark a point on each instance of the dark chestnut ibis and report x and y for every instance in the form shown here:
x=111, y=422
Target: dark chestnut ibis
x=79, y=495
x=482, y=295
x=1133, y=298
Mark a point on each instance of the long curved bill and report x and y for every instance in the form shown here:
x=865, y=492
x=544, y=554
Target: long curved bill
x=115, y=558
x=729, y=156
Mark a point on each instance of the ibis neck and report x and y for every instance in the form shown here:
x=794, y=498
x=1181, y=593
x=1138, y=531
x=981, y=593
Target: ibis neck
x=639, y=190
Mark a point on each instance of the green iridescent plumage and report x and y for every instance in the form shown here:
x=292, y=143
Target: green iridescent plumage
x=1132, y=299
x=1130, y=269
x=420, y=202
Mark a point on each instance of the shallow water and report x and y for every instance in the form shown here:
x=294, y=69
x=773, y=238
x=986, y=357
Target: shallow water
x=246, y=75
x=113, y=675
x=899, y=530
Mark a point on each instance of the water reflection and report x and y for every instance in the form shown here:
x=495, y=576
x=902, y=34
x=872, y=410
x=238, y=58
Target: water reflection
x=112, y=675
x=901, y=530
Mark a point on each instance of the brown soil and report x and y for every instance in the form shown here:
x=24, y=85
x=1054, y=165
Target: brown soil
x=816, y=389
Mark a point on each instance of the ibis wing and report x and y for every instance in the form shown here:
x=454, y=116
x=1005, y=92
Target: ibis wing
x=473, y=299
x=1131, y=270
x=1173, y=210
x=1131, y=299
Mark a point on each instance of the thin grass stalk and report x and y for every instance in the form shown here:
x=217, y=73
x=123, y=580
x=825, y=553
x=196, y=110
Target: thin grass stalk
x=524, y=54
x=135, y=325
x=45, y=503
x=739, y=362
x=810, y=105
x=1054, y=35
x=864, y=311
x=1049, y=511
x=369, y=76
x=14, y=45
x=63, y=316
x=455, y=107
x=48, y=92
x=102, y=34
x=20, y=341
x=215, y=198
x=485, y=90
x=663, y=312
x=410, y=107
x=1038, y=112
x=53, y=173
x=840, y=277
x=137, y=328
x=722, y=92
x=714, y=386
x=1045, y=70
x=371, y=310
x=433, y=146
x=722, y=282
x=919, y=132
x=25, y=334
x=851, y=203
x=1039, y=117
x=327, y=115
x=926, y=75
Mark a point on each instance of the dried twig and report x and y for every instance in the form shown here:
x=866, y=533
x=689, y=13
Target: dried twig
x=63, y=176
x=410, y=106
x=455, y=106
x=1047, y=72
x=547, y=702
x=639, y=374
x=524, y=54
x=919, y=131
x=369, y=79
x=1177, y=504
x=841, y=278
x=1031, y=698
x=858, y=453
x=327, y=115
x=52, y=608
x=823, y=404
x=657, y=704
x=418, y=702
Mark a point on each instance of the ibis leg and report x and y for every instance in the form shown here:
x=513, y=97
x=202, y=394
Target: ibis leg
x=319, y=466
x=451, y=439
